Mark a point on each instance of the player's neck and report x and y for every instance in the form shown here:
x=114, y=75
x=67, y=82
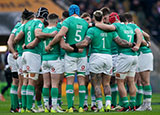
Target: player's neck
x=52, y=25
x=97, y=22
x=75, y=15
x=41, y=19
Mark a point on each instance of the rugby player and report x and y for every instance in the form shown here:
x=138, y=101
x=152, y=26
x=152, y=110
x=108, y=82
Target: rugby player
x=74, y=28
x=145, y=66
x=127, y=60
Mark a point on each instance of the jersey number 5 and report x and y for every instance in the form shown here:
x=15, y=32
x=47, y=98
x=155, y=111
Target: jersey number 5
x=78, y=37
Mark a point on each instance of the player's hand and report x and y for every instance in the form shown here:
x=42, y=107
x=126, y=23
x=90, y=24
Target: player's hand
x=135, y=48
x=53, y=34
x=47, y=48
x=149, y=44
x=15, y=55
x=80, y=50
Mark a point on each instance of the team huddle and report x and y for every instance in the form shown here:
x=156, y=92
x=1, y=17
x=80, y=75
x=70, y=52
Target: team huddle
x=110, y=51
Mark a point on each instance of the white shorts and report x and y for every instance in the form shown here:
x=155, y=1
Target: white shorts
x=145, y=62
x=126, y=64
x=19, y=65
x=73, y=64
x=52, y=66
x=114, y=61
x=62, y=61
x=100, y=63
x=32, y=62
x=12, y=63
x=87, y=69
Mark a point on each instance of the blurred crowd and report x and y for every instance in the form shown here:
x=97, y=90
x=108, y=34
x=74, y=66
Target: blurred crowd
x=146, y=12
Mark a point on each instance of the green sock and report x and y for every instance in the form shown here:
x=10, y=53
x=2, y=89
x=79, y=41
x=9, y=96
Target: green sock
x=120, y=100
x=69, y=92
x=20, y=102
x=147, y=93
x=139, y=95
x=24, y=99
x=132, y=102
x=108, y=100
x=114, y=90
x=82, y=92
x=45, y=92
x=93, y=98
x=99, y=102
x=54, y=95
x=30, y=94
x=14, y=97
x=125, y=102
x=59, y=99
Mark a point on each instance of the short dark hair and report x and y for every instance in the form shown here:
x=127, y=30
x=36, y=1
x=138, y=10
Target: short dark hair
x=52, y=16
x=128, y=17
x=85, y=14
x=105, y=11
x=122, y=18
x=65, y=14
x=98, y=15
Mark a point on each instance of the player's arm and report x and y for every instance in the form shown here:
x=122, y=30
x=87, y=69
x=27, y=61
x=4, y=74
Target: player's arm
x=32, y=44
x=146, y=36
x=66, y=46
x=10, y=43
x=19, y=37
x=139, y=37
x=84, y=43
x=122, y=43
x=57, y=38
x=41, y=35
x=105, y=27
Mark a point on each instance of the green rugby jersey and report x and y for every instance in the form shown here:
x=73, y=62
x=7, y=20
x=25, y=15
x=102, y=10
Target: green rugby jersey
x=125, y=32
x=21, y=42
x=29, y=31
x=77, y=28
x=15, y=28
x=55, y=50
x=143, y=49
x=101, y=40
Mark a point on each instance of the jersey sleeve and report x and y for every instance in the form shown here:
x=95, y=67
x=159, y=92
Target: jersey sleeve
x=66, y=23
x=114, y=34
x=39, y=25
x=90, y=33
x=15, y=28
x=116, y=25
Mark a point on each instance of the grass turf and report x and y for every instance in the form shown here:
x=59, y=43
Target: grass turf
x=5, y=107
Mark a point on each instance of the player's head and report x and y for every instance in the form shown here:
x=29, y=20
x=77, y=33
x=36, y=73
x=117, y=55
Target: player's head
x=97, y=15
x=113, y=17
x=53, y=18
x=106, y=11
x=65, y=15
x=74, y=9
x=122, y=18
x=27, y=15
x=128, y=17
x=42, y=13
x=86, y=16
